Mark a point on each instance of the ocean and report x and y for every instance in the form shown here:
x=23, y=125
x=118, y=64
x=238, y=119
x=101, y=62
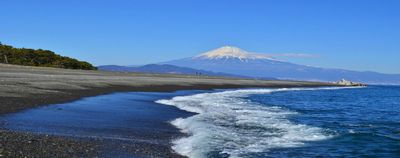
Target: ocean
x=248, y=123
x=290, y=122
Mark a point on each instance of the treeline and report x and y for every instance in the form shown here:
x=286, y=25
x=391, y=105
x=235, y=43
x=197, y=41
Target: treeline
x=39, y=57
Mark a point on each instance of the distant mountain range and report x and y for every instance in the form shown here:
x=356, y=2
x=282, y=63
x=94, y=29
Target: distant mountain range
x=235, y=61
x=164, y=68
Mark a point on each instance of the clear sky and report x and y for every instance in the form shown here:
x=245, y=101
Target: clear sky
x=350, y=34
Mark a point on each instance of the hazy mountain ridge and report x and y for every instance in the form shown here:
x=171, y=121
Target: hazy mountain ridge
x=164, y=68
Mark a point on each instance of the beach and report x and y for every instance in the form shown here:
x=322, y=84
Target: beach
x=199, y=79
x=23, y=88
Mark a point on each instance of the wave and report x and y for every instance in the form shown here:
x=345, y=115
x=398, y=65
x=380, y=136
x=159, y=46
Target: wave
x=228, y=124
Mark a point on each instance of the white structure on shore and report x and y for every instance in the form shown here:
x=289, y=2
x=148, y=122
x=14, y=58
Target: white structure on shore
x=348, y=83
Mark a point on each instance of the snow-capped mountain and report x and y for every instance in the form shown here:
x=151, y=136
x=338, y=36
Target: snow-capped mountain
x=234, y=60
x=227, y=52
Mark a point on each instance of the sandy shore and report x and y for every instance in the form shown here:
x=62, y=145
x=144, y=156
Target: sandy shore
x=28, y=87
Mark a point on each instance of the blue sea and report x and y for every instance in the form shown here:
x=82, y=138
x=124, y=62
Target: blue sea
x=248, y=123
x=292, y=122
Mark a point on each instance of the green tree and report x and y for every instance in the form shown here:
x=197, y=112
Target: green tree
x=40, y=57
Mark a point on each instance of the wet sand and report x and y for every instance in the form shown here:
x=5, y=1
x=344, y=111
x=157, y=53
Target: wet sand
x=24, y=88
x=125, y=124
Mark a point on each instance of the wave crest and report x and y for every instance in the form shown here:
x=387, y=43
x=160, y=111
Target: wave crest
x=228, y=124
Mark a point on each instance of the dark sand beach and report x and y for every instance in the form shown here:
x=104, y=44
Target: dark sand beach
x=122, y=124
x=24, y=88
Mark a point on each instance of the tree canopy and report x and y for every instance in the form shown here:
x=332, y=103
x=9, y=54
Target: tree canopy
x=40, y=57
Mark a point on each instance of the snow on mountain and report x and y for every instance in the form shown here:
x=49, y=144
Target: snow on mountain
x=230, y=52
x=234, y=60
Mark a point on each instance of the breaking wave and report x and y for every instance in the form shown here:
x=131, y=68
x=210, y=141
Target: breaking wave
x=229, y=125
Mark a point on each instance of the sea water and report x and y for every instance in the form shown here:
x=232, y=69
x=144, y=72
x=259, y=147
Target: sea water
x=290, y=122
x=248, y=123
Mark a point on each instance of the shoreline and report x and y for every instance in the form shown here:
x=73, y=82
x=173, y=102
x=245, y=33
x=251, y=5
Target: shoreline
x=18, y=104
x=23, y=88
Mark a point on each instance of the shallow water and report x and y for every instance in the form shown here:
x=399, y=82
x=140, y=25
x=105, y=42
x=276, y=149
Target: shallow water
x=120, y=116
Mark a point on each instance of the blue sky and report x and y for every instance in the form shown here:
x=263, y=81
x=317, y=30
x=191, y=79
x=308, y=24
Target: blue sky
x=351, y=34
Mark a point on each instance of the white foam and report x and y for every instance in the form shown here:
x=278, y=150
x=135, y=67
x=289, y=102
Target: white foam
x=228, y=123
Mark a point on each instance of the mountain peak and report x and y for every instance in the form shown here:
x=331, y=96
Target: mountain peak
x=231, y=52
